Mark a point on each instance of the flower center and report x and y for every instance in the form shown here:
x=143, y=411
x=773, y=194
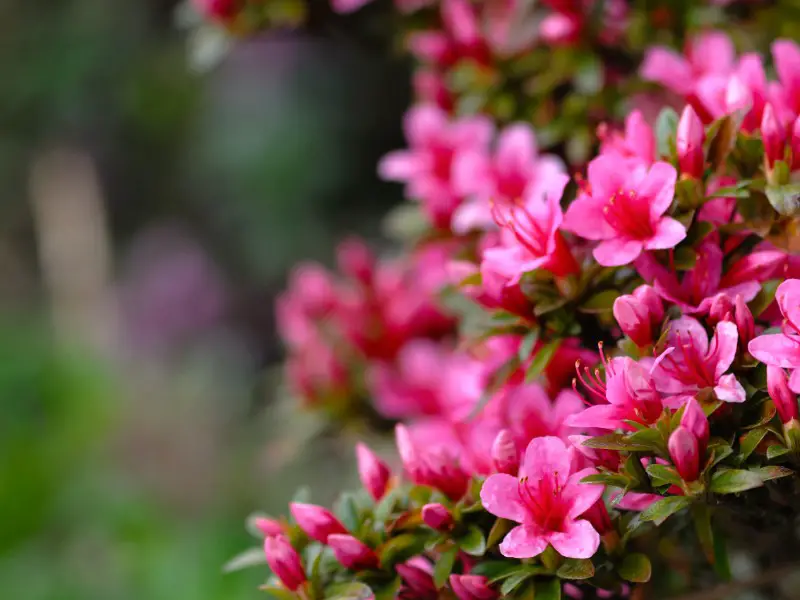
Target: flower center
x=623, y=214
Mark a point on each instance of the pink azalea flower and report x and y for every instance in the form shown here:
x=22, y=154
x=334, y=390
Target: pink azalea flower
x=459, y=39
x=515, y=174
x=530, y=238
x=496, y=289
x=417, y=575
x=624, y=208
x=472, y=587
x=691, y=364
x=783, y=349
x=786, y=54
x=782, y=396
x=628, y=394
x=284, y=561
x=547, y=500
x=431, y=458
x=698, y=286
x=426, y=167
x=352, y=553
x=637, y=141
x=639, y=314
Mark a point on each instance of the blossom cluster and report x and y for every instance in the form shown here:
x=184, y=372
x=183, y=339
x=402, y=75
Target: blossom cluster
x=572, y=352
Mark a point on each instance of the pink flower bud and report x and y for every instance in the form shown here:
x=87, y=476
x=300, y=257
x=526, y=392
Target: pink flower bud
x=505, y=454
x=352, y=553
x=472, y=587
x=650, y=298
x=284, y=562
x=436, y=516
x=598, y=516
x=689, y=143
x=695, y=420
x=745, y=323
x=417, y=579
x=355, y=260
x=634, y=319
x=785, y=400
x=685, y=454
x=373, y=472
x=437, y=467
x=721, y=309
x=317, y=522
x=773, y=134
x=267, y=526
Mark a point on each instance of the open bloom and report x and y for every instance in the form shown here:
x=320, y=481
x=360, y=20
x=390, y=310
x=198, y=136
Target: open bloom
x=460, y=37
x=691, y=364
x=547, y=500
x=426, y=167
x=783, y=349
x=786, y=54
x=623, y=207
x=628, y=394
x=635, y=141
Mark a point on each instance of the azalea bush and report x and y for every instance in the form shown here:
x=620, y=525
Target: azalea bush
x=587, y=344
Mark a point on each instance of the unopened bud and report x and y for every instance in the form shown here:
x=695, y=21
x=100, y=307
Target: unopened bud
x=284, y=561
x=720, y=309
x=372, y=471
x=436, y=516
x=352, y=553
x=472, y=587
x=685, y=454
x=689, y=143
x=773, y=135
x=505, y=454
x=317, y=522
x=745, y=323
x=784, y=399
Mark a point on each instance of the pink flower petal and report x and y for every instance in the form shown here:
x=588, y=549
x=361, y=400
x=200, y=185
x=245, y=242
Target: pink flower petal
x=423, y=124
x=712, y=52
x=617, y=252
x=585, y=218
x=778, y=350
x=545, y=456
x=400, y=165
x=668, y=68
x=689, y=330
x=602, y=416
x=659, y=187
x=581, y=495
x=788, y=298
x=669, y=233
x=500, y=496
x=794, y=381
x=726, y=338
x=578, y=540
x=729, y=389
x=516, y=147
x=525, y=541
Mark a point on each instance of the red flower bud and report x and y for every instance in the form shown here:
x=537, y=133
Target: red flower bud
x=505, y=454
x=634, y=319
x=352, y=553
x=773, y=135
x=650, y=298
x=685, y=454
x=745, y=324
x=785, y=400
x=436, y=516
x=317, y=522
x=472, y=587
x=721, y=309
x=373, y=472
x=284, y=561
x=695, y=420
x=417, y=579
x=689, y=143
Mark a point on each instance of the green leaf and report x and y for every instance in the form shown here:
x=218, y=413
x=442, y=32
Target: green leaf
x=352, y=590
x=635, y=568
x=617, y=441
x=775, y=451
x=785, y=198
x=685, y=258
x=513, y=582
x=388, y=591
x=663, y=509
x=548, y=589
x=347, y=511
x=722, y=138
x=279, y=593
x=701, y=517
x=600, y=302
x=733, y=481
x=444, y=566
x=738, y=190
x=252, y=557
x=764, y=298
x=648, y=438
x=663, y=474
x=528, y=344
x=473, y=542
x=772, y=472
x=405, y=222
x=750, y=442
x=612, y=479
x=498, y=531
x=497, y=570
x=401, y=548
x=719, y=452
x=722, y=564
x=666, y=131
x=302, y=495
x=576, y=568
x=541, y=359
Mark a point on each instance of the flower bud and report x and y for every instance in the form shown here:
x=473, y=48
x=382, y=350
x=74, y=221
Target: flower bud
x=217, y=9
x=436, y=516
x=773, y=135
x=435, y=467
x=634, y=319
x=721, y=309
x=695, y=420
x=417, y=579
x=598, y=516
x=352, y=553
x=372, y=471
x=355, y=260
x=683, y=449
x=785, y=400
x=689, y=143
x=745, y=324
x=317, y=522
x=284, y=561
x=472, y=587
x=266, y=526
x=650, y=298
x=505, y=455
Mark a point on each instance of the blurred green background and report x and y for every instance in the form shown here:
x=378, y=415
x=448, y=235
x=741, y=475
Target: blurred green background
x=149, y=213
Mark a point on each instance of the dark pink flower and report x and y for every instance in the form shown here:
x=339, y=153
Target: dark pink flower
x=786, y=54
x=459, y=39
x=773, y=133
x=685, y=454
x=348, y=6
x=691, y=364
x=317, y=522
x=472, y=587
x=624, y=208
x=427, y=166
x=352, y=553
x=637, y=141
x=505, y=454
x=689, y=143
x=268, y=526
x=432, y=461
x=547, y=500
x=284, y=561
x=417, y=574
x=783, y=349
x=640, y=314
x=218, y=9
x=373, y=472
x=785, y=400
x=436, y=516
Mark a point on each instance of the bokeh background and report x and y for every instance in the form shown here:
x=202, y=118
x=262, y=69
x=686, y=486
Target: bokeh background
x=156, y=189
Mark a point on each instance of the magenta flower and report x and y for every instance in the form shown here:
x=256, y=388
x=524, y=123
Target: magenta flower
x=688, y=442
x=786, y=54
x=373, y=472
x=640, y=314
x=628, y=394
x=547, y=500
x=269, y=527
x=624, y=208
x=505, y=454
x=785, y=400
x=637, y=141
x=352, y=553
x=284, y=561
x=459, y=39
x=472, y=587
x=436, y=516
x=348, y=6
x=689, y=143
x=496, y=288
x=691, y=364
x=317, y=522
x=426, y=167
x=432, y=459
x=783, y=349
x=514, y=176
